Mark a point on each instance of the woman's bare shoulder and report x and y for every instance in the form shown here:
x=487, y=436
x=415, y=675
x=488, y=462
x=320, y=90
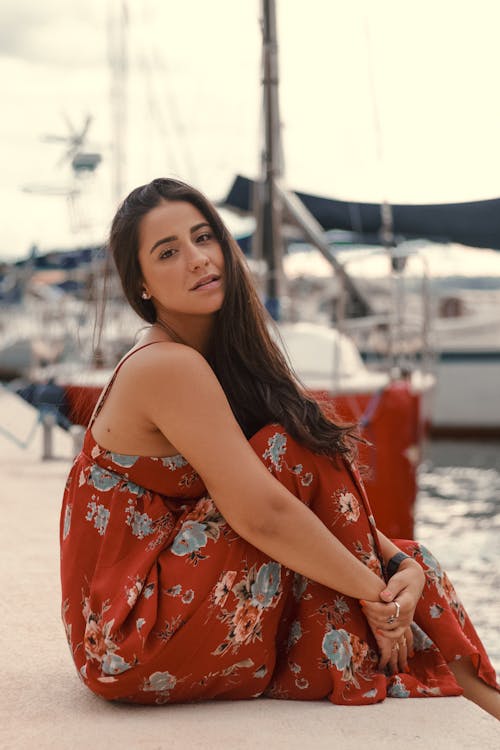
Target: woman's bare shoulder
x=166, y=374
x=149, y=381
x=164, y=358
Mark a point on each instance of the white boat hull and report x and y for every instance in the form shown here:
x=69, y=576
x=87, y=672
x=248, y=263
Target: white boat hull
x=466, y=399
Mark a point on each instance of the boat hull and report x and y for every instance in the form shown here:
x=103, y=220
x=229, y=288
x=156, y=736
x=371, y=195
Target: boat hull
x=466, y=400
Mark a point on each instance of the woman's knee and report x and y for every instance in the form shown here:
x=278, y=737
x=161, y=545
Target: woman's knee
x=291, y=463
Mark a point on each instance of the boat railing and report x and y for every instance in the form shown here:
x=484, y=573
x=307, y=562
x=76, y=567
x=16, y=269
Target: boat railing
x=398, y=338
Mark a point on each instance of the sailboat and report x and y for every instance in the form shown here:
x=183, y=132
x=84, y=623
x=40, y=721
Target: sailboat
x=389, y=406
x=456, y=336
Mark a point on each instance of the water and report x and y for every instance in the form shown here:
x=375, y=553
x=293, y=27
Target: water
x=458, y=518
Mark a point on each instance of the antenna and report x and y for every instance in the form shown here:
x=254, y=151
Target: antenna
x=82, y=162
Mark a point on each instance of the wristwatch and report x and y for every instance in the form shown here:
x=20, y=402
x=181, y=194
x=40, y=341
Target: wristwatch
x=394, y=563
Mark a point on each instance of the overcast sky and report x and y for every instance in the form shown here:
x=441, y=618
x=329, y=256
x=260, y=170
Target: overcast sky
x=380, y=98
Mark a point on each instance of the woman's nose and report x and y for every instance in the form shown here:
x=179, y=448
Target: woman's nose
x=198, y=260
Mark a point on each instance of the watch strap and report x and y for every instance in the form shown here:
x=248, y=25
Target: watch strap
x=394, y=563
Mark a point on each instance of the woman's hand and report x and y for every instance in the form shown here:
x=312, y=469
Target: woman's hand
x=392, y=633
x=394, y=653
x=404, y=588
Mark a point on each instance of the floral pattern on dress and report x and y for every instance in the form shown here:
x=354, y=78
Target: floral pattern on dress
x=351, y=656
x=164, y=602
x=337, y=612
x=140, y=524
x=99, y=514
x=100, y=643
x=194, y=534
x=174, y=462
x=122, y=459
x=368, y=555
x=161, y=684
x=259, y=590
x=102, y=479
x=437, y=578
x=223, y=587
x=397, y=689
x=133, y=588
x=67, y=520
x=299, y=587
x=347, y=507
x=274, y=456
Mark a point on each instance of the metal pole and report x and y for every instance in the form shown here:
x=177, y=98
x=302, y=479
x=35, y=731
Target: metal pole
x=313, y=231
x=118, y=59
x=118, y=19
x=271, y=237
x=48, y=421
x=271, y=198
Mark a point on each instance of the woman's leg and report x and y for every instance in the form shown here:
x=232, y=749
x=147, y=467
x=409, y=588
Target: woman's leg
x=487, y=697
x=326, y=643
x=442, y=616
x=325, y=647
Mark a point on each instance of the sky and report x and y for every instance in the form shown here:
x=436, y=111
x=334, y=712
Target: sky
x=380, y=99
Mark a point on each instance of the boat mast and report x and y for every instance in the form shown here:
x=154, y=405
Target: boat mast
x=117, y=38
x=118, y=61
x=268, y=246
x=272, y=199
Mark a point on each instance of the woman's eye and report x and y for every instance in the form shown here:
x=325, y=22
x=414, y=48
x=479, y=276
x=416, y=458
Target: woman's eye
x=167, y=253
x=204, y=237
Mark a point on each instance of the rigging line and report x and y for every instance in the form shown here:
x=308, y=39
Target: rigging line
x=172, y=105
x=379, y=141
x=153, y=118
x=158, y=116
x=151, y=66
x=145, y=66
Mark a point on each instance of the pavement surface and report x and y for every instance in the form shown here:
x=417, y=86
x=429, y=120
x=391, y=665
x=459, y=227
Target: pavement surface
x=44, y=705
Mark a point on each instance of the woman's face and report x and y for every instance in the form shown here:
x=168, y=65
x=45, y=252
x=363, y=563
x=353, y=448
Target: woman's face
x=181, y=261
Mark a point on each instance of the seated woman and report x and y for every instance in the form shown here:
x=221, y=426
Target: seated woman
x=216, y=539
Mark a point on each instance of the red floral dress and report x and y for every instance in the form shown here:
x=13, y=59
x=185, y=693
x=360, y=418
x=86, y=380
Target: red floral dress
x=163, y=602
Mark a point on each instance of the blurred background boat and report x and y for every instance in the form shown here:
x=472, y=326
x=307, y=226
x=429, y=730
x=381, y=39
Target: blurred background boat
x=434, y=304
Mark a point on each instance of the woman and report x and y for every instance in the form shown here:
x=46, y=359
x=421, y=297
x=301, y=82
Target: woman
x=216, y=540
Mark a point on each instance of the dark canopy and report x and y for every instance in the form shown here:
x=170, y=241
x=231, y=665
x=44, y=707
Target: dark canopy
x=476, y=223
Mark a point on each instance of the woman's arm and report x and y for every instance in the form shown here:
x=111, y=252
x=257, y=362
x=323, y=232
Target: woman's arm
x=180, y=395
x=409, y=576
x=405, y=587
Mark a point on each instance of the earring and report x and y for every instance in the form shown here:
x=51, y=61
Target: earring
x=145, y=295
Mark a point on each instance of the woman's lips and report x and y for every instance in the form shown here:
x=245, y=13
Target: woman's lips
x=209, y=284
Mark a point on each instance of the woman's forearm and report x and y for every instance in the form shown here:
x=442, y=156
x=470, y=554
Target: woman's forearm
x=297, y=538
x=387, y=547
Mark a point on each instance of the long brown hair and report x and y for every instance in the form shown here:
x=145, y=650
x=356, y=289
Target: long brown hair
x=258, y=382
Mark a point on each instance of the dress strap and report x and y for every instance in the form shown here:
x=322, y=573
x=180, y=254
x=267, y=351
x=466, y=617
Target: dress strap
x=102, y=398
x=358, y=481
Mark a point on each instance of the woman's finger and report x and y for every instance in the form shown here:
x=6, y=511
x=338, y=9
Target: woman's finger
x=385, y=649
x=403, y=654
x=383, y=612
x=409, y=642
x=393, y=661
x=393, y=633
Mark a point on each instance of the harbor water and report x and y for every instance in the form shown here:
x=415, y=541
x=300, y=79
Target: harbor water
x=458, y=518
